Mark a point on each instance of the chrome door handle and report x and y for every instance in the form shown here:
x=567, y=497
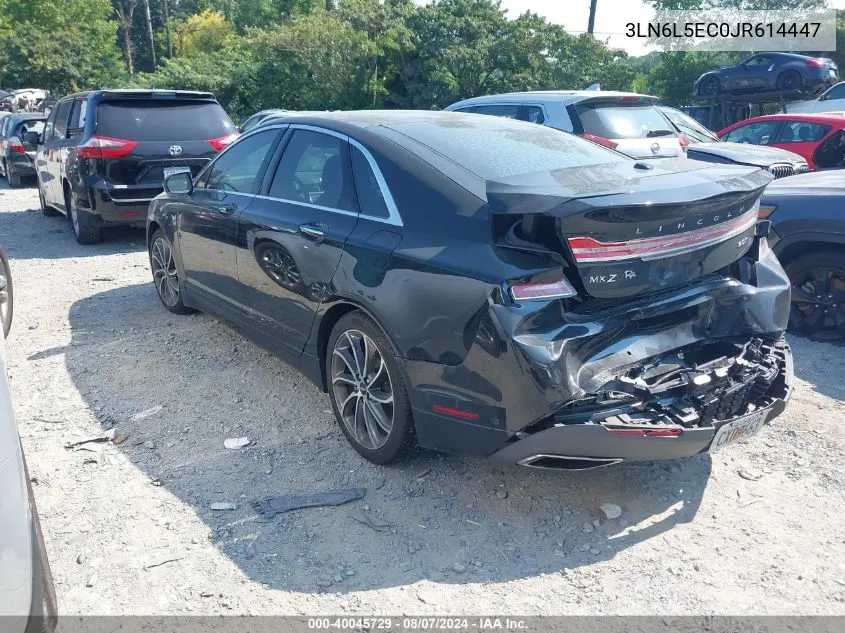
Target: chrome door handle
x=226, y=209
x=312, y=231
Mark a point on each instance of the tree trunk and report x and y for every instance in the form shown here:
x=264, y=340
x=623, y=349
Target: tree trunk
x=150, y=31
x=167, y=30
x=127, y=46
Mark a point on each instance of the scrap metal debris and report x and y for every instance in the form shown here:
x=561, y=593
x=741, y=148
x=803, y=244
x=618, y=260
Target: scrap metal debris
x=272, y=506
x=379, y=525
x=236, y=442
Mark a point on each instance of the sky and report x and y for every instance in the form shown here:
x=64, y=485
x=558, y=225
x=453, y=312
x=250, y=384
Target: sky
x=611, y=15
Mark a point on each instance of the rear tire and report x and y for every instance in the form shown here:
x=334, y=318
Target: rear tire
x=818, y=295
x=84, y=230
x=7, y=295
x=789, y=81
x=367, y=391
x=165, y=274
x=13, y=179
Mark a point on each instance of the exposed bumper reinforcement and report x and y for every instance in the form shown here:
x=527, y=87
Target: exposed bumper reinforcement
x=575, y=446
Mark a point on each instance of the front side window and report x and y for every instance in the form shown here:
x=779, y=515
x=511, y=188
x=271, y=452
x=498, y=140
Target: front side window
x=760, y=60
x=370, y=197
x=315, y=169
x=837, y=92
x=239, y=167
x=801, y=132
x=754, y=133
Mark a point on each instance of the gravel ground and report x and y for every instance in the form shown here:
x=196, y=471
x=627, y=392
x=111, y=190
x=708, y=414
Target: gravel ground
x=755, y=529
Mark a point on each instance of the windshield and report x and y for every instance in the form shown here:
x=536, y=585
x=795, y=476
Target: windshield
x=496, y=148
x=617, y=121
x=696, y=132
x=158, y=120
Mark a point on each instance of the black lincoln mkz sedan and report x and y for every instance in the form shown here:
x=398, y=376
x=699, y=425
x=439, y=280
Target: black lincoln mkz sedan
x=487, y=286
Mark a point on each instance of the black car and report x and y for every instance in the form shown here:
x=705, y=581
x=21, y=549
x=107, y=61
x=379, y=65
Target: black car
x=704, y=145
x=20, y=134
x=104, y=154
x=488, y=286
x=807, y=213
x=256, y=119
x=784, y=72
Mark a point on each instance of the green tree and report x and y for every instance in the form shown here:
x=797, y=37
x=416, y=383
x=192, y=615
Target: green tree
x=60, y=45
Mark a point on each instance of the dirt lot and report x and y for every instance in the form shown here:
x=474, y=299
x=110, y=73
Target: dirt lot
x=757, y=528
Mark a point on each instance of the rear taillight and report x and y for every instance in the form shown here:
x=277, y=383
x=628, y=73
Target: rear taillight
x=815, y=63
x=588, y=249
x=105, y=147
x=221, y=142
x=14, y=145
x=600, y=140
x=543, y=290
x=683, y=140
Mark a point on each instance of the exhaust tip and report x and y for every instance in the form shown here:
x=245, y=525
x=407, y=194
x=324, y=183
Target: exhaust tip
x=565, y=462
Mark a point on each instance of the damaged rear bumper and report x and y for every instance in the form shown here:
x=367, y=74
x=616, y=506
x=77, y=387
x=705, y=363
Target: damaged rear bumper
x=648, y=434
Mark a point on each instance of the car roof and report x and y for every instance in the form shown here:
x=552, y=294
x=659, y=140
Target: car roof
x=136, y=93
x=566, y=96
x=374, y=119
x=836, y=120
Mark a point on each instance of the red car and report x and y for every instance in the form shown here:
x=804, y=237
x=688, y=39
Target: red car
x=820, y=138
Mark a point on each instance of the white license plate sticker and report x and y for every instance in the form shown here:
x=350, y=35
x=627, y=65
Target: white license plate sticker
x=169, y=171
x=739, y=429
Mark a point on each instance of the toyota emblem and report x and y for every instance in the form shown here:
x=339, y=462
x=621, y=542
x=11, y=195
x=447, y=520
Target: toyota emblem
x=655, y=148
x=175, y=150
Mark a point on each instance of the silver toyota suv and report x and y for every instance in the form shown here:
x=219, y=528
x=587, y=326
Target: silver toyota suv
x=625, y=121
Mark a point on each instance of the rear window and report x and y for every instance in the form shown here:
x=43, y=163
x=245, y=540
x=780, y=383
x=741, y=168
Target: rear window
x=622, y=122
x=156, y=120
x=496, y=148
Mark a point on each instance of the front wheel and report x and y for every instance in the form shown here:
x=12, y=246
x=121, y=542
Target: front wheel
x=165, y=274
x=6, y=293
x=367, y=391
x=709, y=87
x=818, y=295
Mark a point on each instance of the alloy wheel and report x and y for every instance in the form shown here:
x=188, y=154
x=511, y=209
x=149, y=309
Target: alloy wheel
x=818, y=302
x=281, y=268
x=362, y=389
x=165, y=277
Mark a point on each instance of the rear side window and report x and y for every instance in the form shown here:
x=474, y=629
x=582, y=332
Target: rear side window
x=509, y=111
x=315, y=169
x=800, y=132
x=29, y=126
x=62, y=113
x=77, y=115
x=238, y=168
x=616, y=121
x=370, y=198
x=495, y=148
x=160, y=120
x=532, y=114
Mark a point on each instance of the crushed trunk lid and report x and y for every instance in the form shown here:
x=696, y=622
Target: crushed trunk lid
x=626, y=228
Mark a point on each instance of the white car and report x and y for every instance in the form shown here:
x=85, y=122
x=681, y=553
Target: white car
x=831, y=100
x=625, y=121
x=27, y=597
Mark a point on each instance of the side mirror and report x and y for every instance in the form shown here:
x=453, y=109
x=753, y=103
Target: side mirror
x=179, y=183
